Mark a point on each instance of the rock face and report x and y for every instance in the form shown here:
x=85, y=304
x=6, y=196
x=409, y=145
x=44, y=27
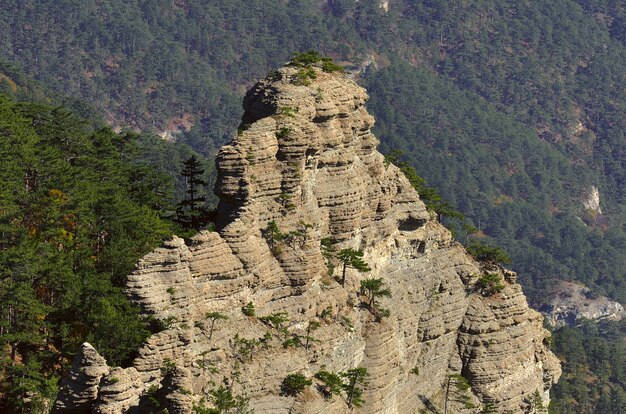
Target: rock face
x=80, y=388
x=569, y=302
x=592, y=201
x=304, y=168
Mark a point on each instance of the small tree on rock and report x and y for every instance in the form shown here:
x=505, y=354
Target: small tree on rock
x=214, y=316
x=275, y=320
x=373, y=289
x=462, y=385
x=490, y=284
x=357, y=378
x=354, y=259
x=311, y=327
x=332, y=383
x=327, y=246
x=485, y=253
x=294, y=384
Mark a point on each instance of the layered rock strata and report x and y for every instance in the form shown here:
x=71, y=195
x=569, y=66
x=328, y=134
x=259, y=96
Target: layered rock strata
x=79, y=389
x=304, y=168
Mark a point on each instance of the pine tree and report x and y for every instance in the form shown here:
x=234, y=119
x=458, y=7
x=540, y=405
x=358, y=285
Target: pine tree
x=352, y=258
x=214, y=316
x=191, y=212
x=357, y=378
x=373, y=289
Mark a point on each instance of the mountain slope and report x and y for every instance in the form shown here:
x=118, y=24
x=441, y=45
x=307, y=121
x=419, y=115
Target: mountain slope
x=554, y=70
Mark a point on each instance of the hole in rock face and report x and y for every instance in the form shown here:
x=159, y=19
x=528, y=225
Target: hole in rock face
x=421, y=247
x=318, y=119
x=281, y=156
x=411, y=224
x=310, y=156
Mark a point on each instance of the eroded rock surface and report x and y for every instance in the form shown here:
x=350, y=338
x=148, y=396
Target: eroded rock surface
x=79, y=388
x=568, y=303
x=306, y=160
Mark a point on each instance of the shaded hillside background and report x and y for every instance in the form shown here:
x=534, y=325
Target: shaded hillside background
x=512, y=110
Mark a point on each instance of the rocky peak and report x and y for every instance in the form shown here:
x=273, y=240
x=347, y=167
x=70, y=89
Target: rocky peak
x=79, y=388
x=302, y=169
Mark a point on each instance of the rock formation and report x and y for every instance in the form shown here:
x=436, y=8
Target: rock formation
x=302, y=169
x=79, y=389
x=568, y=303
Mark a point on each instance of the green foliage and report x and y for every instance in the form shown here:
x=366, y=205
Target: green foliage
x=489, y=408
x=168, y=367
x=327, y=313
x=489, y=284
x=356, y=378
x=537, y=403
x=77, y=213
x=273, y=236
x=294, y=384
x=248, y=309
x=306, y=59
x=284, y=131
x=460, y=382
x=276, y=239
x=429, y=195
x=332, y=383
x=201, y=408
x=462, y=386
x=166, y=158
x=227, y=403
x=288, y=111
x=244, y=348
x=373, y=289
x=594, y=358
x=165, y=323
x=151, y=394
x=489, y=99
x=292, y=340
x=192, y=212
x=513, y=188
x=275, y=320
x=311, y=327
x=304, y=76
x=486, y=253
x=354, y=259
x=329, y=66
x=205, y=364
x=214, y=317
x=346, y=322
x=486, y=116
x=327, y=246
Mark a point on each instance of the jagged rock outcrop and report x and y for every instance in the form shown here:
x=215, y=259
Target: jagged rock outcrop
x=79, y=388
x=121, y=390
x=303, y=168
x=568, y=303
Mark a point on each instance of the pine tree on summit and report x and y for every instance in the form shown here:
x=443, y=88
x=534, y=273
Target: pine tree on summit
x=191, y=212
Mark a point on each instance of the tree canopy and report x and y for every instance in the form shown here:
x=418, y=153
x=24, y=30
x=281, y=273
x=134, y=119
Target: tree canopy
x=76, y=212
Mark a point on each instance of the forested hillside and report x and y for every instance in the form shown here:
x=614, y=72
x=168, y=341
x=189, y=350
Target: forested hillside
x=513, y=110
x=524, y=73
x=78, y=206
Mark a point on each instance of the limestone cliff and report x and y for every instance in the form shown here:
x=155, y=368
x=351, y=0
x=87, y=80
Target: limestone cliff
x=304, y=167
